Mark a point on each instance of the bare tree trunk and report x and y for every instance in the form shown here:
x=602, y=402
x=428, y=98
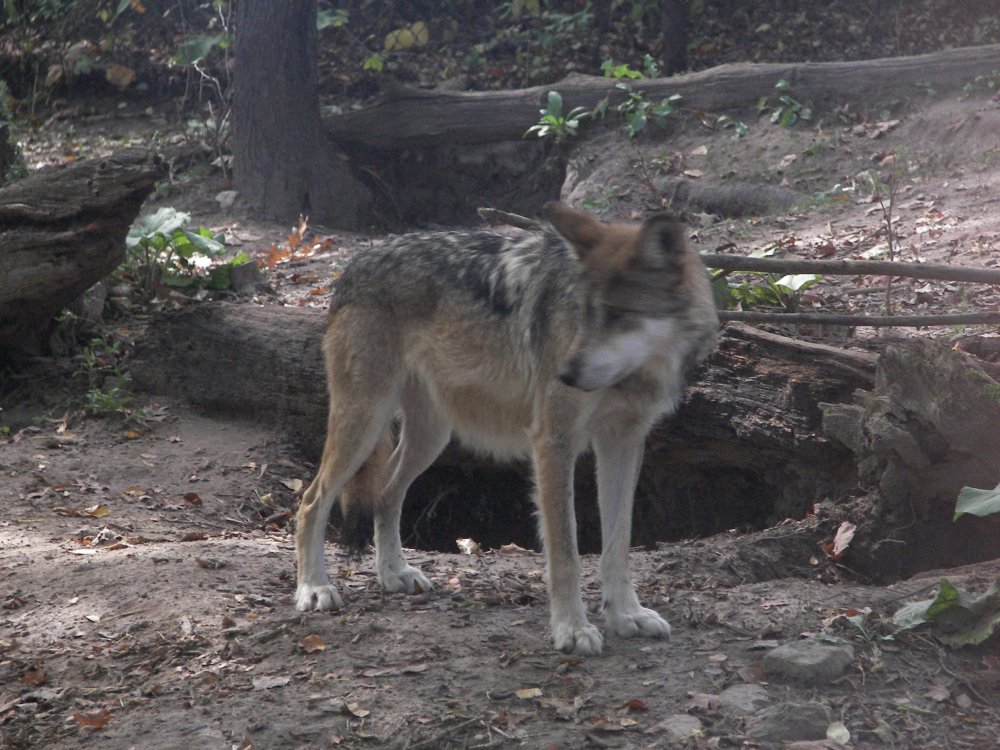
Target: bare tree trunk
x=674, y=25
x=283, y=162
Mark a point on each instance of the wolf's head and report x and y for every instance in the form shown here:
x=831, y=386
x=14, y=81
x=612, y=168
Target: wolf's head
x=645, y=284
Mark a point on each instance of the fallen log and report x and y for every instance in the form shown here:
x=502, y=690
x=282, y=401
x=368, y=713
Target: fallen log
x=61, y=231
x=409, y=117
x=745, y=449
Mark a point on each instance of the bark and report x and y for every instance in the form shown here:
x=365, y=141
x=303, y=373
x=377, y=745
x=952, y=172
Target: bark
x=411, y=117
x=747, y=444
x=61, y=231
x=674, y=27
x=930, y=426
x=283, y=163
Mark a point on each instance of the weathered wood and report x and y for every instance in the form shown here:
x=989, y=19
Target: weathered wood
x=873, y=321
x=937, y=271
x=412, y=117
x=930, y=426
x=747, y=444
x=62, y=231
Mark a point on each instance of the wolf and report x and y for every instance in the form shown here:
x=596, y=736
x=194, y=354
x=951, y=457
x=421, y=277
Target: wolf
x=576, y=336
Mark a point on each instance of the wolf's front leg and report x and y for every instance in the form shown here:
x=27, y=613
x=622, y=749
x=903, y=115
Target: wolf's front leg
x=619, y=458
x=571, y=632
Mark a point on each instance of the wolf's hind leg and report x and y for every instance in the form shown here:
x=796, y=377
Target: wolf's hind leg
x=358, y=417
x=423, y=435
x=619, y=458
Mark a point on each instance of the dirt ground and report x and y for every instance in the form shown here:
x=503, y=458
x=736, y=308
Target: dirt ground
x=147, y=570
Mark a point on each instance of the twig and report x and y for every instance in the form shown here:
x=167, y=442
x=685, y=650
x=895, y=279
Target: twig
x=875, y=321
x=495, y=217
x=853, y=268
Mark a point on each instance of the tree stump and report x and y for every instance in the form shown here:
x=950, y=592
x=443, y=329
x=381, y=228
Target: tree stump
x=930, y=426
x=61, y=231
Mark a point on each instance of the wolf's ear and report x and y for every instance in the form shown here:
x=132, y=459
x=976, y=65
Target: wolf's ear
x=662, y=239
x=581, y=230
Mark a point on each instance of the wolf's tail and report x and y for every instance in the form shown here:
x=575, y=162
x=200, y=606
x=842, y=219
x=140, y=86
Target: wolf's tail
x=362, y=494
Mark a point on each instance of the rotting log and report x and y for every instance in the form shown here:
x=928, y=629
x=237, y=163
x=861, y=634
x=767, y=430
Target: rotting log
x=745, y=448
x=61, y=231
x=770, y=426
x=928, y=427
x=409, y=117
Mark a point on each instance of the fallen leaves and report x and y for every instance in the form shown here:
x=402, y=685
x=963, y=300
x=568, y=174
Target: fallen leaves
x=312, y=643
x=94, y=719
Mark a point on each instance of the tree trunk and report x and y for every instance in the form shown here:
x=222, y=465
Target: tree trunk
x=413, y=118
x=61, y=231
x=283, y=163
x=674, y=25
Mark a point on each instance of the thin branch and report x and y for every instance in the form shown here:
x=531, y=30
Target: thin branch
x=875, y=321
x=853, y=268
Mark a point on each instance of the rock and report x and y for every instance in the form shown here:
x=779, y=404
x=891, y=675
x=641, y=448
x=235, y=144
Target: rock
x=809, y=661
x=676, y=727
x=786, y=722
x=743, y=700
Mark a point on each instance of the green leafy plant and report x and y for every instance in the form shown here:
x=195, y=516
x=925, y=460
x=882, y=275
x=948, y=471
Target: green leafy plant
x=161, y=249
x=977, y=502
x=738, y=127
x=957, y=618
x=785, y=110
x=553, y=123
x=764, y=290
x=611, y=70
x=636, y=109
x=101, y=365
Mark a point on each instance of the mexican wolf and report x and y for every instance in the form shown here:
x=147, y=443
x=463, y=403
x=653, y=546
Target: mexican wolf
x=571, y=337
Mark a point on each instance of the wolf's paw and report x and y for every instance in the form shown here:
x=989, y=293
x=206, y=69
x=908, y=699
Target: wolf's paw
x=582, y=640
x=309, y=597
x=634, y=621
x=407, y=580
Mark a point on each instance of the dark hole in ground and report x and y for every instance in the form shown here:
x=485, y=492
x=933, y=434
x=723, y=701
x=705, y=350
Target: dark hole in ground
x=494, y=506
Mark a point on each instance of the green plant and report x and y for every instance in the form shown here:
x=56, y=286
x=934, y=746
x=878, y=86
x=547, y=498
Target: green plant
x=769, y=291
x=553, y=123
x=738, y=127
x=611, y=70
x=101, y=364
x=785, y=111
x=637, y=110
x=160, y=249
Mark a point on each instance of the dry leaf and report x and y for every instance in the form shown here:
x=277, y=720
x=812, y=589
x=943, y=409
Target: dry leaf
x=513, y=549
x=634, y=705
x=529, y=692
x=355, y=710
x=34, y=677
x=97, y=511
x=267, y=682
x=295, y=485
x=842, y=539
x=469, y=547
x=94, y=719
x=312, y=643
x=119, y=76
